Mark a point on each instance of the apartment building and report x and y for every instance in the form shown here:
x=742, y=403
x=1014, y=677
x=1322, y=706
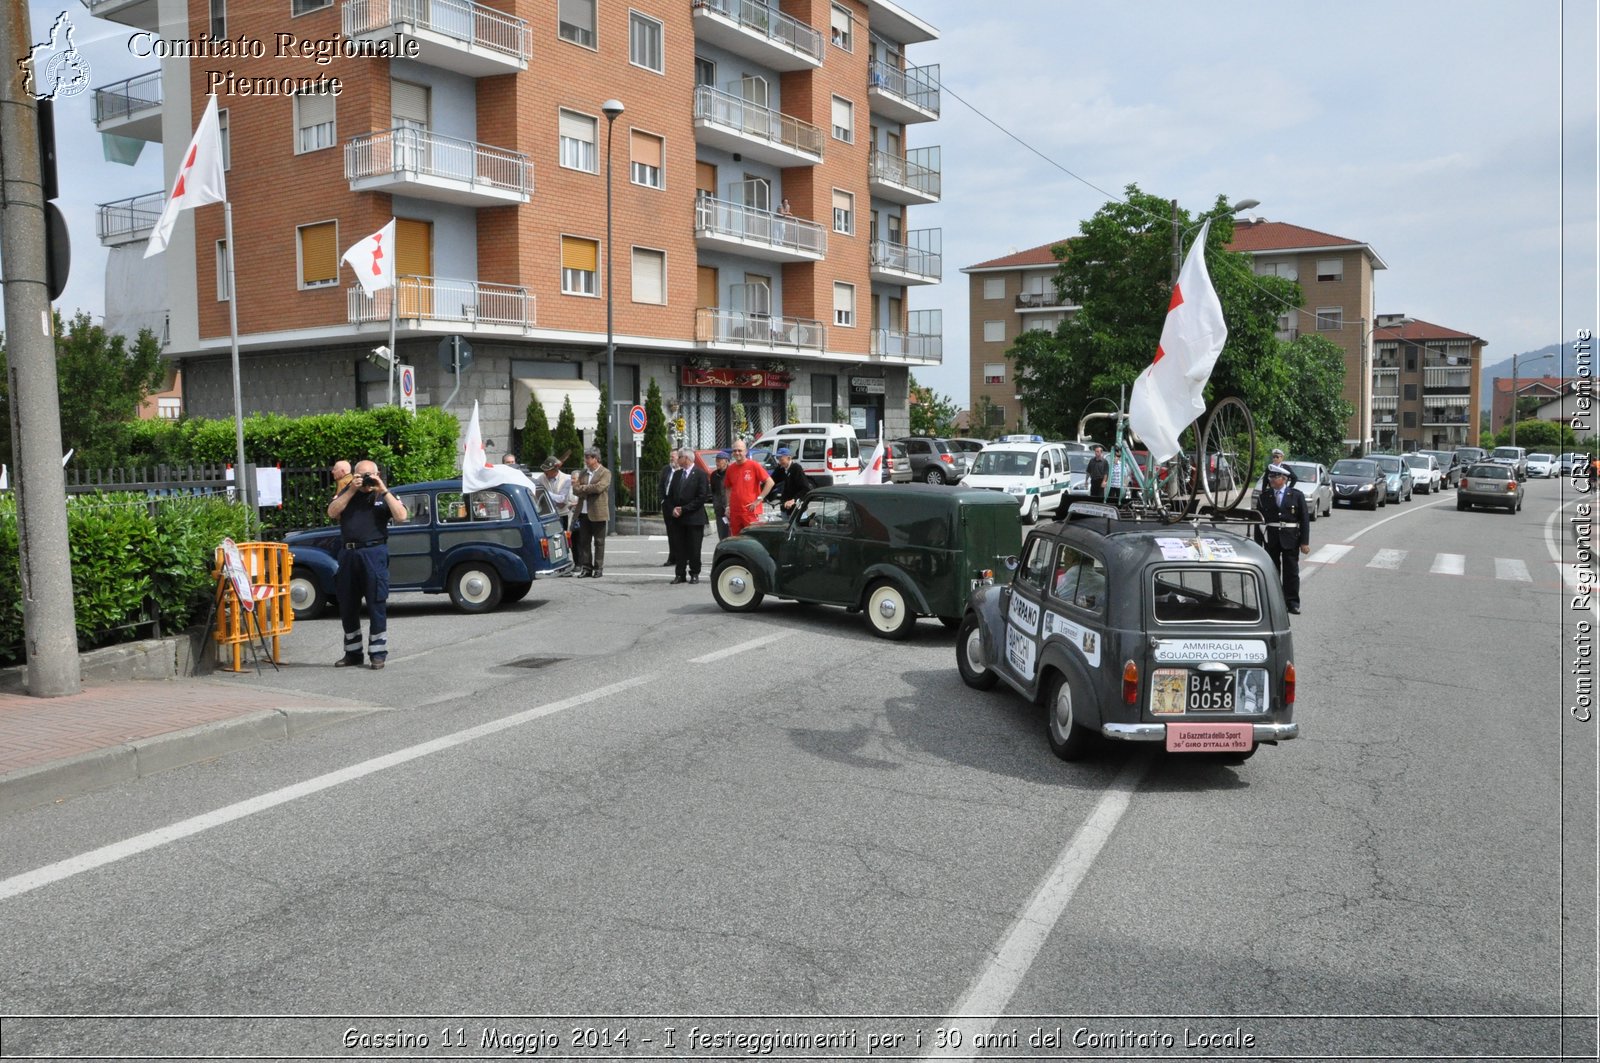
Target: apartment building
x=760, y=178
x=1007, y=296
x=1424, y=385
x=1549, y=390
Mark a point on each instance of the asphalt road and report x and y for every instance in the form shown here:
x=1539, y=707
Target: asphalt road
x=615, y=801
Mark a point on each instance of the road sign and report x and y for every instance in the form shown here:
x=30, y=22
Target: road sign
x=408, y=388
x=638, y=438
x=452, y=347
x=637, y=419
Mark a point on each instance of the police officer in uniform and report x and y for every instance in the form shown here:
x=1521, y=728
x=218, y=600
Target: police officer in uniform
x=364, y=508
x=1287, y=530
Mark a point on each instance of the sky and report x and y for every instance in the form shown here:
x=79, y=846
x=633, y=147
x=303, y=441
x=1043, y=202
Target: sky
x=1438, y=131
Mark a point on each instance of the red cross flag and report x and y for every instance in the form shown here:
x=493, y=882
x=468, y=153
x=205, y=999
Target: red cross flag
x=373, y=259
x=200, y=179
x=872, y=471
x=1169, y=395
x=476, y=472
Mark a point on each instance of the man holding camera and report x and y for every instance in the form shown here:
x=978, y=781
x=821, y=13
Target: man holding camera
x=364, y=507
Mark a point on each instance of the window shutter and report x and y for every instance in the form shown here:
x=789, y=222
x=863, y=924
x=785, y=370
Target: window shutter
x=413, y=252
x=648, y=281
x=579, y=254
x=577, y=127
x=319, y=259
x=579, y=13
x=408, y=103
x=841, y=114
x=646, y=149
x=315, y=108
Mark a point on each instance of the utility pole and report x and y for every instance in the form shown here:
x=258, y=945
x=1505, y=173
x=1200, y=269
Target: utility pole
x=1177, y=244
x=48, y=622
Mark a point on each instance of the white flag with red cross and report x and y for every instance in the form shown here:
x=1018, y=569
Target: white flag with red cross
x=872, y=470
x=373, y=260
x=200, y=179
x=476, y=472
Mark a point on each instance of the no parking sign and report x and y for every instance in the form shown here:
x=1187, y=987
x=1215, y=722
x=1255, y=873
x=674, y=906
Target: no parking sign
x=408, y=388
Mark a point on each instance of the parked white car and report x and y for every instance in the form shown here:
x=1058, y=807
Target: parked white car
x=1541, y=465
x=1425, y=473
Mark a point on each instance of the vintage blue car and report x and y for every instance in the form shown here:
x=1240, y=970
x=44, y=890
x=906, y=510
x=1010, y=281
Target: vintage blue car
x=482, y=548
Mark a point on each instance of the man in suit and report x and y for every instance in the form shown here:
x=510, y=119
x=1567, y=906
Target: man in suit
x=793, y=483
x=683, y=506
x=592, y=488
x=668, y=471
x=1287, y=531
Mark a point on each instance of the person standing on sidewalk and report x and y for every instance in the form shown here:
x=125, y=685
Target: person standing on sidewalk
x=558, y=488
x=747, y=484
x=592, y=486
x=663, y=483
x=364, y=509
x=793, y=483
x=719, y=494
x=684, y=509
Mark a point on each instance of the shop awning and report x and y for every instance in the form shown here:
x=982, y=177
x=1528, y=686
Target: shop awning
x=552, y=394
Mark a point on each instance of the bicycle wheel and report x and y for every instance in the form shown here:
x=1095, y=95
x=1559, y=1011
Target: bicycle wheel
x=1227, y=455
x=1179, y=480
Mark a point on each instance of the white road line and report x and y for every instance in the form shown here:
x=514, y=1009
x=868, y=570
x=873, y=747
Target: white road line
x=985, y=1002
x=1511, y=568
x=1449, y=565
x=108, y=854
x=729, y=651
x=1387, y=559
x=1326, y=555
x=1570, y=576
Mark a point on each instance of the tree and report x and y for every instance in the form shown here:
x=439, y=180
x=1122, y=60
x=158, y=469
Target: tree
x=1532, y=435
x=932, y=414
x=981, y=421
x=1308, y=412
x=657, y=451
x=537, y=442
x=1118, y=272
x=565, y=439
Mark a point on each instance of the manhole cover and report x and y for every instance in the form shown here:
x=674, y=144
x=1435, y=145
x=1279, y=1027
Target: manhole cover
x=533, y=662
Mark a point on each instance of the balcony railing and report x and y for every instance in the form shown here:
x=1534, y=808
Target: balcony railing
x=471, y=25
x=917, y=86
x=719, y=217
x=122, y=219
x=907, y=346
x=129, y=96
x=443, y=299
x=1038, y=300
x=419, y=151
x=903, y=258
x=906, y=172
x=139, y=13
x=753, y=120
x=763, y=331
x=767, y=21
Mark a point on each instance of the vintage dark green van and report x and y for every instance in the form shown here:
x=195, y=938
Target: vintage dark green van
x=895, y=552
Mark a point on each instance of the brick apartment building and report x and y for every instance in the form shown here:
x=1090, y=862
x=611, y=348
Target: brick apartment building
x=760, y=174
x=1424, y=385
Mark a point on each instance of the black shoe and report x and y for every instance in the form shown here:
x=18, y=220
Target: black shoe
x=668, y=564
x=596, y=574
x=584, y=573
x=694, y=579
x=679, y=579
x=1295, y=609
x=347, y=662
x=377, y=664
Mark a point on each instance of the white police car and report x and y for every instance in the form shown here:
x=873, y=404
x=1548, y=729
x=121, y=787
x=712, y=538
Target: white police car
x=1032, y=471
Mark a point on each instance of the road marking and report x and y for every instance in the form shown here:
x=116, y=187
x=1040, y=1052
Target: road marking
x=985, y=1002
x=1511, y=568
x=1570, y=576
x=108, y=854
x=729, y=651
x=1326, y=555
x=1387, y=559
x=1449, y=565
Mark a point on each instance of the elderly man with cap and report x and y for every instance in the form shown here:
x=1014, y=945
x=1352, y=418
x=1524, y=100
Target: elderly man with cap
x=793, y=483
x=719, y=493
x=1277, y=459
x=1286, y=531
x=558, y=488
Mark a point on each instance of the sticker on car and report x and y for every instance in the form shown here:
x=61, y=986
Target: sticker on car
x=1020, y=652
x=1239, y=651
x=1024, y=614
x=1085, y=640
x=1196, y=550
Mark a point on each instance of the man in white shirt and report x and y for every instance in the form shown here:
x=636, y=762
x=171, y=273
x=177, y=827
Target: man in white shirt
x=558, y=486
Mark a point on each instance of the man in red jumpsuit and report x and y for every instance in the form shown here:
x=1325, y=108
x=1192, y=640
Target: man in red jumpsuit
x=747, y=484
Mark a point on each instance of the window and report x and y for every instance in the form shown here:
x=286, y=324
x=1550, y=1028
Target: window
x=227, y=143
x=649, y=276
x=843, y=120
x=1034, y=573
x=994, y=287
x=575, y=21
x=305, y=7
x=994, y=372
x=578, y=266
x=1408, y=419
x=823, y=391
x=646, y=153
x=1330, y=318
x=1078, y=580
x=1411, y=392
x=1330, y=269
x=169, y=409
x=997, y=415
x=1411, y=359
x=577, y=142
x=219, y=19
x=644, y=42
x=844, y=212
x=1285, y=270
x=223, y=291
x=844, y=304
x=319, y=254
x=839, y=29
x=313, y=121
x=705, y=72
x=994, y=332
x=458, y=508
x=1206, y=595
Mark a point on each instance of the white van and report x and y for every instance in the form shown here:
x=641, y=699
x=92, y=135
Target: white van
x=1035, y=473
x=829, y=453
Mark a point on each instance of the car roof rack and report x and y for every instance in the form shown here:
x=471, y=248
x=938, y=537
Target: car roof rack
x=1128, y=518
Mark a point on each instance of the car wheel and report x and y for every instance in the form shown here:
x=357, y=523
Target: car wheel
x=1462, y=505
x=516, y=591
x=475, y=587
x=305, y=595
x=1069, y=739
x=1030, y=512
x=933, y=476
x=889, y=615
x=970, y=661
x=733, y=586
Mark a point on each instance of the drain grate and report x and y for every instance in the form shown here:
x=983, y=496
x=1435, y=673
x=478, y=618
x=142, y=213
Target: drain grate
x=533, y=662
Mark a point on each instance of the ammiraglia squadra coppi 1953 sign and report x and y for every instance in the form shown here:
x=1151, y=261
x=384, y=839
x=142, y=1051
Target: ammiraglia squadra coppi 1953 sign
x=319, y=51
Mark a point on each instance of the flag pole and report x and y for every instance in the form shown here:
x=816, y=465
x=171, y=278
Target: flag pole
x=242, y=482
x=394, y=313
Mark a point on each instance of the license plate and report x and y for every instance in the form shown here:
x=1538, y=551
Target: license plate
x=1210, y=737
x=1175, y=691
x=1210, y=692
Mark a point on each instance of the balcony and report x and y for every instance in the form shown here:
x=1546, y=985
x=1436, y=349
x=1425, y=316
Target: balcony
x=760, y=32
x=922, y=343
x=1028, y=302
x=457, y=35
x=732, y=123
x=915, y=262
x=725, y=226
x=441, y=304
x=909, y=95
x=131, y=107
x=140, y=14
x=740, y=330
x=425, y=165
x=912, y=179
x=129, y=221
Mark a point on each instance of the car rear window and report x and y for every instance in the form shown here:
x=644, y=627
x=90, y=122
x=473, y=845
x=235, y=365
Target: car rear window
x=1198, y=595
x=1489, y=472
x=1388, y=464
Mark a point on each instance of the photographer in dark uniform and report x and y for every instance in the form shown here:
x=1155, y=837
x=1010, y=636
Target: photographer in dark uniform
x=1287, y=530
x=364, y=508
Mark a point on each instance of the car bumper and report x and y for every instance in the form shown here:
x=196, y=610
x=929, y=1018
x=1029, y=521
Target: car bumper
x=1157, y=732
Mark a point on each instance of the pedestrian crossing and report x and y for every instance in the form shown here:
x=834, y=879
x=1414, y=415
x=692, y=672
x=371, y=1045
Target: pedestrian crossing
x=1510, y=569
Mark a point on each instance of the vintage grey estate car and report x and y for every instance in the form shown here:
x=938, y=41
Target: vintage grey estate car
x=1142, y=632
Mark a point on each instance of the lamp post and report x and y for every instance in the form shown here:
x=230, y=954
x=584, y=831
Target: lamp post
x=1541, y=358
x=611, y=109
x=1178, y=233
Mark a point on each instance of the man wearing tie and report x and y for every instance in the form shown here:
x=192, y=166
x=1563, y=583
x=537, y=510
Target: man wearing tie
x=1286, y=532
x=683, y=507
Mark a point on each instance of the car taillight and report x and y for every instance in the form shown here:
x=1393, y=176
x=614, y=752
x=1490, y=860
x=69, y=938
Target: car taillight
x=985, y=578
x=1130, y=683
x=1512, y=486
x=544, y=548
x=1463, y=483
x=947, y=459
x=1288, y=683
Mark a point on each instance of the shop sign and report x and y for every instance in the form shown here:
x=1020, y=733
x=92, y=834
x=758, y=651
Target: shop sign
x=734, y=378
x=867, y=385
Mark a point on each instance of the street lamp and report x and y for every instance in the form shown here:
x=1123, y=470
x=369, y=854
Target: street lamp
x=1179, y=234
x=611, y=109
x=1541, y=358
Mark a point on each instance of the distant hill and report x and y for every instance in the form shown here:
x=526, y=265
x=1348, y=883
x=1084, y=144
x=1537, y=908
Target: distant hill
x=1530, y=364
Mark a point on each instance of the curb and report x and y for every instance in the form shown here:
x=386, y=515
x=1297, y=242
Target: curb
x=189, y=653
x=128, y=761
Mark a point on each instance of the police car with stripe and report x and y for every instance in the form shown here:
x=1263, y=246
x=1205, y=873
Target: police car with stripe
x=1032, y=471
